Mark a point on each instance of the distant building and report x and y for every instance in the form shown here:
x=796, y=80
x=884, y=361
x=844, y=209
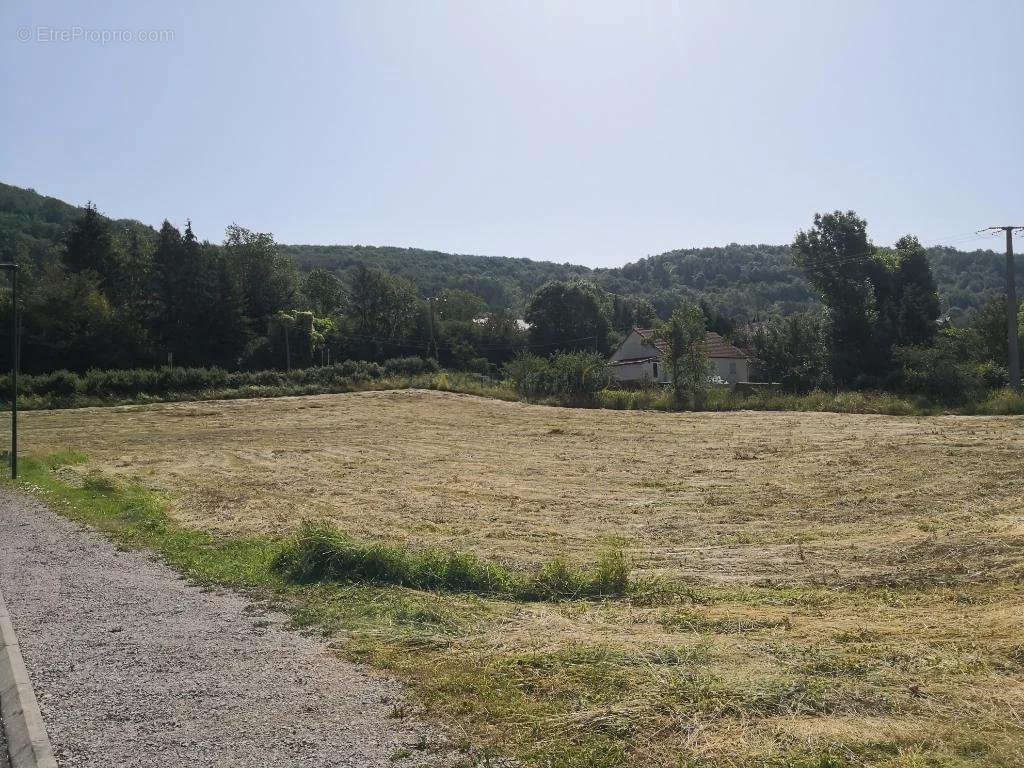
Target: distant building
x=521, y=324
x=641, y=358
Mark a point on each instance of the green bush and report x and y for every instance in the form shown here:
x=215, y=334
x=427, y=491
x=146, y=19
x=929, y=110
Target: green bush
x=578, y=376
x=557, y=579
x=581, y=374
x=937, y=373
x=523, y=369
x=478, y=365
x=411, y=366
x=1003, y=402
x=993, y=375
x=58, y=383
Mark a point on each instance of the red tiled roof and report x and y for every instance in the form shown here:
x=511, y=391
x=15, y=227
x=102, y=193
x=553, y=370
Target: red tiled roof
x=647, y=334
x=716, y=345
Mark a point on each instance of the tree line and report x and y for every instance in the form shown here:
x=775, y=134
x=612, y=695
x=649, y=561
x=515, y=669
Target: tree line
x=114, y=298
x=881, y=325
x=747, y=282
x=120, y=295
x=114, y=295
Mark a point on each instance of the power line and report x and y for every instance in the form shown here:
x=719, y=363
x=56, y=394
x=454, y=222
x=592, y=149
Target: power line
x=961, y=241
x=864, y=256
x=413, y=344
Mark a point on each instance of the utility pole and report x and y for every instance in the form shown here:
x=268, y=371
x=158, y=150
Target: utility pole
x=433, y=342
x=1013, y=345
x=15, y=364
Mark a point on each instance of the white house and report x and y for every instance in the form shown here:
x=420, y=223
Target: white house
x=641, y=358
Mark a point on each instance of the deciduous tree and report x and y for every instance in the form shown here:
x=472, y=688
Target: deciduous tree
x=687, y=359
x=324, y=291
x=268, y=279
x=874, y=298
x=569, y=316
x=793, y=351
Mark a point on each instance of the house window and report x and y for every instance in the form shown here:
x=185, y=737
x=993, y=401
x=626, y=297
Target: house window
x=732, y=368
x=655, y=371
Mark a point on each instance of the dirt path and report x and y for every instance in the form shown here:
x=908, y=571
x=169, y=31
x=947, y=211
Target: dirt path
x=133, y=666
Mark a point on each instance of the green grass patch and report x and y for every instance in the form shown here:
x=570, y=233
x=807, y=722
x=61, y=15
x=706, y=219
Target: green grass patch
x=320, y=552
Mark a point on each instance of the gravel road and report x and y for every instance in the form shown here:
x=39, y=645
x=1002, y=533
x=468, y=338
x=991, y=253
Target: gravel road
x=3, y=749
x=133, y=666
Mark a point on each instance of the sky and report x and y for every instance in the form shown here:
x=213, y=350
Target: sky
x=588, y=132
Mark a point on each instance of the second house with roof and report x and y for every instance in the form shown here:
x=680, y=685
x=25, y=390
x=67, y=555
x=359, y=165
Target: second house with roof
x=641, y=358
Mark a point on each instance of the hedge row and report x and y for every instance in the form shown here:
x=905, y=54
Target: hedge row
x=578, y=376
x=161, y=381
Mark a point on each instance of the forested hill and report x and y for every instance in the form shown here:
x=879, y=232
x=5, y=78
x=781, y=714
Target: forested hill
x=742, y=280
x=760, y=279
x=746, y=281
x=500, y=281
x=32, y=224
x=756, y=279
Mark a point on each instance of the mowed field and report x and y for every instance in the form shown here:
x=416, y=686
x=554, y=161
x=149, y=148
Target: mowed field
x=747, y=496
x=832, y=587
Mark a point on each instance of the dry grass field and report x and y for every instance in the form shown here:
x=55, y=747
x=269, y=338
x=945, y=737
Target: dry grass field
x=743, y=496
x=846, y=588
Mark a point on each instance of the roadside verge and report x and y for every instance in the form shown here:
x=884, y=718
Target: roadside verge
x=27, y=742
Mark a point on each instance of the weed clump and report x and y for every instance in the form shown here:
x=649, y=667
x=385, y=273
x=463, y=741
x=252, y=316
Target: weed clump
x=321, y=553
x=559, y=579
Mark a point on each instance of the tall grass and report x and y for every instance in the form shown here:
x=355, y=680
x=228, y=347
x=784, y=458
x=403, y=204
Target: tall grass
x=999, y=402
x=321, y=553
x=1002, y=402
x=63, y=386
x=118, y=387
x=62, y=389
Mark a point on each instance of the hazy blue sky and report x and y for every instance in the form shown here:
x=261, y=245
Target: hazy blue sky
x=590, y=132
